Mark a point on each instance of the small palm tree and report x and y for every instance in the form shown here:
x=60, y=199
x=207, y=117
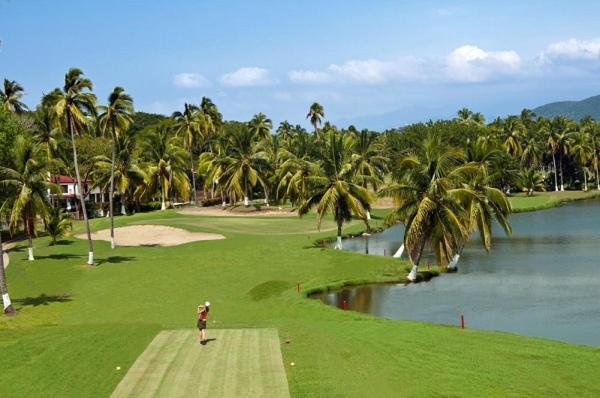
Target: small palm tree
x=28, y=178
x=165, y=164
x=334, y=188
x=116, y=117
x=10, y=97
x=260, y=126
x=244, y=165
x=316, y=113
x=429, y=192
x=531, y=181
x=58, y=224
x=73, y=105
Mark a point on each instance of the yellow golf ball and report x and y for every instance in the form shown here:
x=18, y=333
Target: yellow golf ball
x=118, y=368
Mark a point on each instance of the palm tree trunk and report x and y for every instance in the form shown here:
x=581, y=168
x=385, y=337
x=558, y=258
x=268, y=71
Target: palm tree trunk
x=584, y=181
x=562, y=185
x=163, y=205
x=111, y=195
x=555, y=173
x=399, y=252
x=80, y=188
x=412, y=276
x=338, y=243
x=246, y=201
x=8, y=308
x=194, y=196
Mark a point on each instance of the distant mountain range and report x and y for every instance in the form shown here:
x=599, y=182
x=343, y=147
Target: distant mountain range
x=576, y=110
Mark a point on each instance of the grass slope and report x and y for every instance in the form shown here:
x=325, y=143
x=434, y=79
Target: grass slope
x=546, y=200
x=78, y=323
x=238, y=362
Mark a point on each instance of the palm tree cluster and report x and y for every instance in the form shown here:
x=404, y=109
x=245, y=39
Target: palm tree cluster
x=448, y=178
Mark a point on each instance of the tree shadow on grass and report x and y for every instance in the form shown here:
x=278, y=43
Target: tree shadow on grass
x=43, y=299
x=63, y=242
x=115, y=260
x=59, y=256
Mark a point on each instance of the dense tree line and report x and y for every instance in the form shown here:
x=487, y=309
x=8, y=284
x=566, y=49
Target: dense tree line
x=448, y=178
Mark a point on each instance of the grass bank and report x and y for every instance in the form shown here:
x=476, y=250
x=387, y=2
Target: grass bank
x=78, y=323
x=546, y=200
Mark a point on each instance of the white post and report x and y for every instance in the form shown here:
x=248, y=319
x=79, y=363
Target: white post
x=112, y=242
x=454, y=261
x=338, y=243
x=163, y=205
x=412, y=275
x=90, y=258
x=399, y=252
x=30, y=257
x=246, y=202
x=6, y=301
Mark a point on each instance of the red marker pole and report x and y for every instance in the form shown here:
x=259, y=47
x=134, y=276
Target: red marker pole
x=462, y=321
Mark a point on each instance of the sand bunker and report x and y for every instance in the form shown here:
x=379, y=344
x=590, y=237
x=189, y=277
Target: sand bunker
x=151, y=235
x=226, y=212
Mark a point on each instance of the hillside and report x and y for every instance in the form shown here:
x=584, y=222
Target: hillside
x=572, y=109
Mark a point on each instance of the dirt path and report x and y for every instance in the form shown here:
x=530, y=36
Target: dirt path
x=238, y=363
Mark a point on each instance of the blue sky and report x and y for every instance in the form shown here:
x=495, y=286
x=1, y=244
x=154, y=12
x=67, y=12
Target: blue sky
x=402, y=60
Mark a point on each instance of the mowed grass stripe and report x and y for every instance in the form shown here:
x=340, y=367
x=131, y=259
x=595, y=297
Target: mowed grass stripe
x=239, y=362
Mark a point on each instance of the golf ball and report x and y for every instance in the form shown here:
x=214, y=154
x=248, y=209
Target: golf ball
x=293, y=364
x=118, y=368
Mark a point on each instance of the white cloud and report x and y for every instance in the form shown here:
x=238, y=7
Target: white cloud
x=367, y=71
x=473, y=64
x=190, y=80
x=571, y=49
x=308, y=76
x=247, y=77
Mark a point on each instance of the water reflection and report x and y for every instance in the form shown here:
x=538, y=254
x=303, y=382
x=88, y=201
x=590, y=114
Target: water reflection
x=542, y=281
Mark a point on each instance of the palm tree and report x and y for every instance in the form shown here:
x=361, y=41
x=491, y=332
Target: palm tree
x=72, y=106
x=560, y=141
x=165, y=164
x=513, y=131
x=116, y=117
x=334, y=188
x=126, y=174
x=260, y=126
x=28, y=178
x=316, y=113
x=531, y=181
x=583, y=151
x=190, y=124
x=58, y=224
x=244, y=165
x=547, y=132
x=464, y=115
x=10, y=97
x=7, y=304
x=429, y=195
x=590, y=126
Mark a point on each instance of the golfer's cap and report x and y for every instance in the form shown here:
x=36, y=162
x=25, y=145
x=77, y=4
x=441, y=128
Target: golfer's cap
x=207, y=304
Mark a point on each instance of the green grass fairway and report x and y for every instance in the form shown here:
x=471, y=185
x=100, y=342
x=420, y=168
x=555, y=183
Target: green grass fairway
x=238, y=363
x=546, y=200
x=78, y=323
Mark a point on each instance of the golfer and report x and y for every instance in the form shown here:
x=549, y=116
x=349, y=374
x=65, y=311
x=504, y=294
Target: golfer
x=202, y=315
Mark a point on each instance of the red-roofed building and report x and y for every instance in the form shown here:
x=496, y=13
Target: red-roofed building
x=68, y=187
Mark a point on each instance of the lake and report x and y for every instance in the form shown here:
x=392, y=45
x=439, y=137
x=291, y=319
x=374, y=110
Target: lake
x=544, y=280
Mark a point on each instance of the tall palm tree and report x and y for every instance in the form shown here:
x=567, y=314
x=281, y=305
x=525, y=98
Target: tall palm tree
x=590, y=126
x=334, y=188
x=429, y=195
x=28, y=178
x=10, y=97
x=7, y=304
x=116, y=117
x=190, y=124
x=124, y=172
x=560, y=141
x=165, y=164
x=581, y=147
x=73, y=105
x=316, y=113
x=513, y=131
x=245, y=162
x=260, y=126
x=545, y=129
